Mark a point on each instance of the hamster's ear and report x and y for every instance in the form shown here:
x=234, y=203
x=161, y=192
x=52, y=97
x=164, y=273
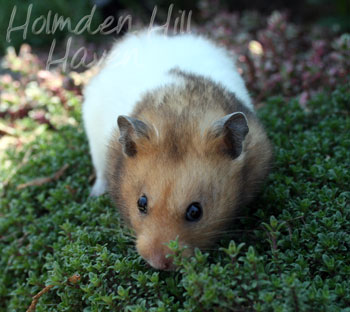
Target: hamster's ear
x=229, y=133
x=131, y=131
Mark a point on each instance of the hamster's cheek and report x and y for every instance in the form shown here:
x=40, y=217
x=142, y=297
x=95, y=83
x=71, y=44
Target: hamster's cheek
x=136, y=220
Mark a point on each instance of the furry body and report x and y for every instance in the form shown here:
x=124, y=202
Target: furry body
x=187, y=139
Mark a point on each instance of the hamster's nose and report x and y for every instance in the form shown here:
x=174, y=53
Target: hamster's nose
x=161, y=262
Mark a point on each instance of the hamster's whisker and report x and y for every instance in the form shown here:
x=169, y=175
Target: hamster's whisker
x=217, y=235
x=236, y=218
x=219, y=223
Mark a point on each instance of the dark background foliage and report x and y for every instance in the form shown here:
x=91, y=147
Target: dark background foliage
x=330, y=13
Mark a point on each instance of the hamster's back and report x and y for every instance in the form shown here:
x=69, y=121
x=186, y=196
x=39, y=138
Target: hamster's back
x=142, y=62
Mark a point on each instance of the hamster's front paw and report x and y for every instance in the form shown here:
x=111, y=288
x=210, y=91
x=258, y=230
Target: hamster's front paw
x=99, y=188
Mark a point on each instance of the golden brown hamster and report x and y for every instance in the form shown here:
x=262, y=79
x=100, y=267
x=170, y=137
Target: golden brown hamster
x=174, y=139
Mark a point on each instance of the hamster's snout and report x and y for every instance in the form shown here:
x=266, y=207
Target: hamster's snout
x=161, y=262
x=155, y=253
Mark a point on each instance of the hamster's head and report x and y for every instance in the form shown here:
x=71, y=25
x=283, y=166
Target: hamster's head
x=182, y=180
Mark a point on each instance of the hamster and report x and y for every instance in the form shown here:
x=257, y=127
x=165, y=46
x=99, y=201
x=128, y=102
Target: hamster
x=174, y=139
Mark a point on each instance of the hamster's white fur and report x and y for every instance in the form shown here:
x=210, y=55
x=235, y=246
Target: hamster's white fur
x=140, y=63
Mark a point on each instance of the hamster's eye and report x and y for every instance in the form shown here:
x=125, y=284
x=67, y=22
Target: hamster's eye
x=194, y=212
x=142, y=204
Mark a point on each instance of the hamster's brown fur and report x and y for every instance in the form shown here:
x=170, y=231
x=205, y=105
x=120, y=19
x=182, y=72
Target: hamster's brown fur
x=180, y=160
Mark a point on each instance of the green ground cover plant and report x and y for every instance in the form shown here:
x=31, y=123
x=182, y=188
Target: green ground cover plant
x=287, y=251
